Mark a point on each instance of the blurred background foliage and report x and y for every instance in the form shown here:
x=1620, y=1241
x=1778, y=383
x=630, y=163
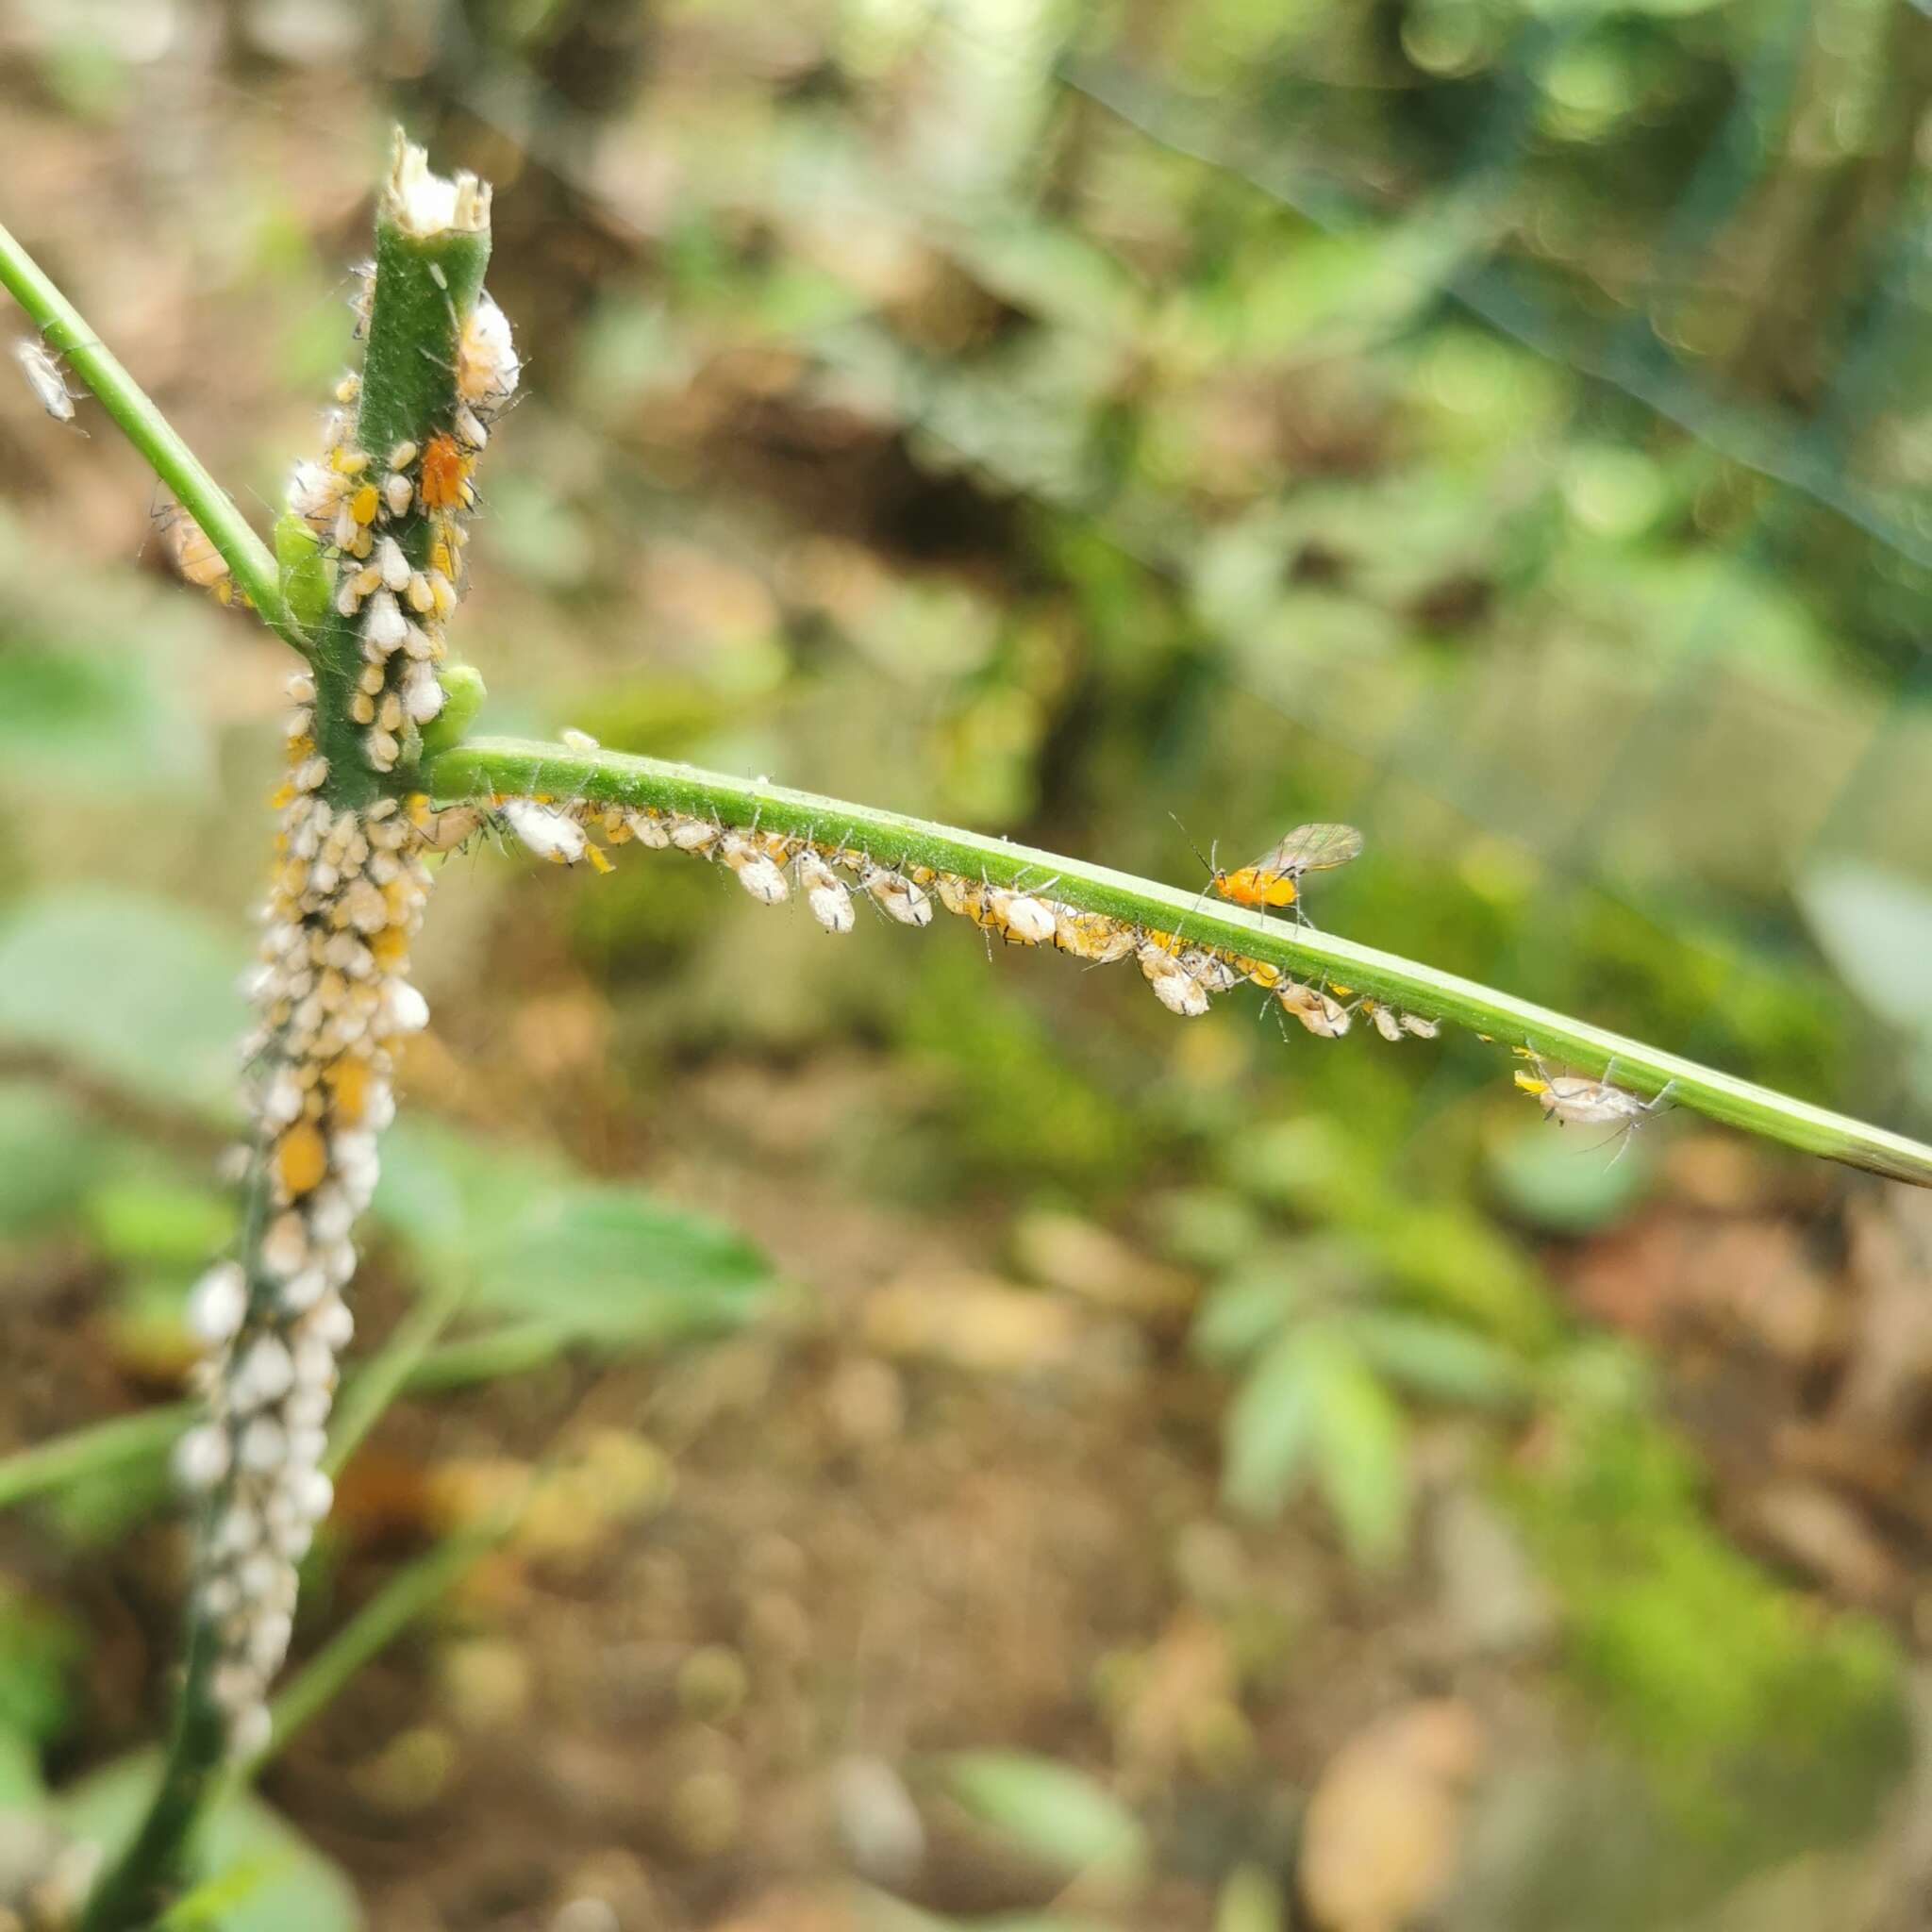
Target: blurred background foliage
x=1501, y=424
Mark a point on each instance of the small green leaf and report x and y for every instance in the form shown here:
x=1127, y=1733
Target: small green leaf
x=463, y=693
x=1057, y=1814
x=132, y=988
x=1271, y=1423
x=1439, y=1359
x=1567, y=1180
x=1242, y=1312
x=1360, y=1455
x=304, y=575
x=284, y=1884
x=45, y=1157
x=41, y=1651
x=157, y=1222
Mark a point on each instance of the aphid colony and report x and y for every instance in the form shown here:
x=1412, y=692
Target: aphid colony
x=331, y=1002
x=394, y=521
x=1183, y=977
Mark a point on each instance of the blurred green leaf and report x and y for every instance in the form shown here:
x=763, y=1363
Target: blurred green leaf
x=134, y=989
x=268, y=1877
x=1244, y=1310
x=1057, y=1814
x=1271, y=1423
x=156, y=1221
x=602, y=1261
x=22, y=1787
x=41, y=1651
x=1249, y=1901
x=1875, y=927
x=1439, y=1359
x=1360, y=1450
x=93, y=720
x=1560, y=1181
x=45, y=1157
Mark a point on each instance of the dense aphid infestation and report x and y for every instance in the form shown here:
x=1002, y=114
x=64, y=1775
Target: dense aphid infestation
x=1183, y=975
x=387, y=499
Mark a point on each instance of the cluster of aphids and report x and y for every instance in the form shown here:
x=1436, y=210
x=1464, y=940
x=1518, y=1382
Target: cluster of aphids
x=357, y=500
x=1184, y=976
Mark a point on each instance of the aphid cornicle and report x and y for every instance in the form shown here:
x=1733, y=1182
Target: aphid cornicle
x=1274, y=880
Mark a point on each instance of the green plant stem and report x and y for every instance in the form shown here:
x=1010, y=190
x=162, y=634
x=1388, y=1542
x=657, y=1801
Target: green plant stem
x=488, y=767
x=64, y=329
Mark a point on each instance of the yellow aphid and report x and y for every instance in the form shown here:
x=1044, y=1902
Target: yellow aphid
x=195, y=557
x=1327, y=1018
x=364, y=501
x=1091, y=936
x=600, y=860
x=348, y=1083
x=301, y=1159
x=350, y=388
x=961, y=897
x=351, y=463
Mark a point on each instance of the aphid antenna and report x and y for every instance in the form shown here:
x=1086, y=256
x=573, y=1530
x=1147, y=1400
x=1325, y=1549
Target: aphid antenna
x=1212, y=870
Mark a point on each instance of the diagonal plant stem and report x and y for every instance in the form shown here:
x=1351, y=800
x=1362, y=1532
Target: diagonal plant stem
x=506, y=767
x=63, y=328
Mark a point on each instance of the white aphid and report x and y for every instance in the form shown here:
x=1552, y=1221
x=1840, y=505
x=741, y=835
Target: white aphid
x=754, y=869
x=897, y=894
x=217, y=1304
x=649, y=828
x=578, y=741
x=1324, y=1017
x=693, y=834
x=1423, y=1029
x=1386, y=1021
x=45, y=378
x=1571, y=1099
x=1177, y=989
x=1026, y=921
x=487, y=365
x=548, y=834
x=201, y=1458
x=826, y=892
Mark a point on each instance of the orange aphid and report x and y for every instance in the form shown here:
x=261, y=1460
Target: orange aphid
x=1274, y=880
x=348, y=1081
x=443, y=482
x=301, y=1159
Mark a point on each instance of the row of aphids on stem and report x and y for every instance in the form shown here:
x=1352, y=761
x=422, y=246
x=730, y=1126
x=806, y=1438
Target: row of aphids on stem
x=1183, y=977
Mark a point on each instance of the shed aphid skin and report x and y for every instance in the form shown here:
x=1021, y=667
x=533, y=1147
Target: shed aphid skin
x=1422, y=1028
x=578, y=741
x=1573, y=1100
x=47, y=379
x=1274, y=880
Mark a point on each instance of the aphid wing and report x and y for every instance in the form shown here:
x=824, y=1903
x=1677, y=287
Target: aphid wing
x=1315, y=848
